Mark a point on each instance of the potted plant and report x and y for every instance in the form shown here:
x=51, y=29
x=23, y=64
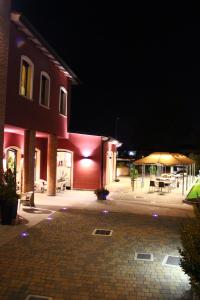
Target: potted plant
x=8, y=198
x=101, y=193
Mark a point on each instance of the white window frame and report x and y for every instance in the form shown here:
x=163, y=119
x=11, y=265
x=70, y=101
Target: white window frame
x=65, y=91
x=45, y=74
x=29, y=61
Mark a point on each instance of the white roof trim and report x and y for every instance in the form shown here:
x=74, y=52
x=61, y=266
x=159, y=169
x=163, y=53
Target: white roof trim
x=15, y=17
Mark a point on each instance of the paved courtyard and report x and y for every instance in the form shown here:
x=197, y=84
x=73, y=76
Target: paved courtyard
x=120, y=199
x=60, y=258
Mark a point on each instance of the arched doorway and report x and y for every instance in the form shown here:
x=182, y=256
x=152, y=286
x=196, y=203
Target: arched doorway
x=13, y=161
x=65, y=167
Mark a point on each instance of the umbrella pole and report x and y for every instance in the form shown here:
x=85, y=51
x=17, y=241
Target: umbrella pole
x=183, y=185
x=193, y=172
x=142, y=183
x=187, y=178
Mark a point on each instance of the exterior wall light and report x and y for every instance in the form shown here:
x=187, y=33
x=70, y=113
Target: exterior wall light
x=86, y=157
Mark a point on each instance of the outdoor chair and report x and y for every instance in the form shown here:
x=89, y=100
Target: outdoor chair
x=40, y=186
x=161, y=185
x=27, y=199
x=152, y=185
x=61, y=185
x=168, y=186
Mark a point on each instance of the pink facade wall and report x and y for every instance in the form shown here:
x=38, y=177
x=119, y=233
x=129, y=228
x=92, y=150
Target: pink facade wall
x=13, y=140
x=88, y=170
x=25, y=113
x=17, y=140
x=87, y=159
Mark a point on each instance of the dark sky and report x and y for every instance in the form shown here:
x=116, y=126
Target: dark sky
x=140, y=63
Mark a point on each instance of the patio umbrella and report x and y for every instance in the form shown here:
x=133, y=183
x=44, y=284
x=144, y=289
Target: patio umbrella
x=167, y=159
x=164, y=158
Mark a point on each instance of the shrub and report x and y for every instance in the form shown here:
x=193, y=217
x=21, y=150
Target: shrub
x=190, y=252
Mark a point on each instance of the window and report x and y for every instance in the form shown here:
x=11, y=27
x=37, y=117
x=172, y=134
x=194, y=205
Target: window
x=63, y=102
x=44, y=89
x=26, y=77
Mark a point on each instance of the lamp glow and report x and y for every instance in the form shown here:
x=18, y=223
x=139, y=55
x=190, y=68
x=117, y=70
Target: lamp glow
x=154, y=215
x=24, y=234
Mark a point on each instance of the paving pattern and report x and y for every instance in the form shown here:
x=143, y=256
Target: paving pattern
x=60, y=258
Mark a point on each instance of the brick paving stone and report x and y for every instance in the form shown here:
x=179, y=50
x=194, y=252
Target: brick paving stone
x=63, y=260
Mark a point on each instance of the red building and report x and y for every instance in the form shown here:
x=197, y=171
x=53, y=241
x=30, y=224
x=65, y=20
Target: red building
x=36, y=140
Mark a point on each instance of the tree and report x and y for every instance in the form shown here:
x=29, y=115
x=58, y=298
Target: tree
x=190, y=252
x=196, y=158
x=133, y=175
x=152, y=170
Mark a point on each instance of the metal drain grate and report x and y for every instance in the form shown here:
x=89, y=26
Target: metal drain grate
x=171, y=260
x=37, y=297
x=104, y=232
x=144, y=256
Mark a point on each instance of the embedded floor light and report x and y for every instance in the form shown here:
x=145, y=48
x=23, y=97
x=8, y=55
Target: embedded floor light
x=154, y=215
x=24, y=234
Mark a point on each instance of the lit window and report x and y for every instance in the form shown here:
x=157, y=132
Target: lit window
x=26, y=77
x=63, y=102
x=44, y=89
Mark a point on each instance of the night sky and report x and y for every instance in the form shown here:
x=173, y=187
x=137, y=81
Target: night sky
x=139, y=64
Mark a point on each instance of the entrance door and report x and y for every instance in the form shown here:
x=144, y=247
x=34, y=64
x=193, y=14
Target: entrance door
x=64, y=168
x=11, y=160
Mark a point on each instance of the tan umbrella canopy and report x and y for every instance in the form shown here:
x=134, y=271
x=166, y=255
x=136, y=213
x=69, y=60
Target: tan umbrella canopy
x=165, y=158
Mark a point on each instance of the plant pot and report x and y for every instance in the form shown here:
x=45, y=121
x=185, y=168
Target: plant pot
x=8, y=212
x=101, y=196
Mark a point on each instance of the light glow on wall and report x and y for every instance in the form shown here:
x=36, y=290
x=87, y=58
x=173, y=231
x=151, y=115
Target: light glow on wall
x=86, y=162
x=86, y=153
x=20, y=42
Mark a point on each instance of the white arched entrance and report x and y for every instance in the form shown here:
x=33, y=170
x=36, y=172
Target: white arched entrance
x=65, y=167
x=13, y=160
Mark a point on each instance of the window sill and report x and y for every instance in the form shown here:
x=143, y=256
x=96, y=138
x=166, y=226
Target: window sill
x=63, y=115
x=44, y=106
x=25, y=97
